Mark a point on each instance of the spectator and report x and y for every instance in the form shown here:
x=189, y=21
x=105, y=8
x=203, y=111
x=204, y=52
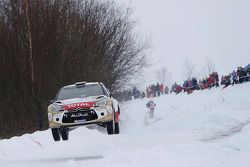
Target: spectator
x=226, y=81
x=162, y=88
x=234, y=77
x=148, y=91
x=176, y=88
x=194, y=83
x=166, y=90
x=135, y=93
x=241, y=74
x=153, y=90
x=216, y=77
x=185, y=86
x=210, y=81
x=143, y=95
x=248, y=74
x=173, y=87
x=158, y=89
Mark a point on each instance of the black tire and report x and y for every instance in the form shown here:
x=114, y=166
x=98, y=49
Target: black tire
x=56, y=134
x=110, y=127
x=65, y=134
x=117, y=129
x=119, y=111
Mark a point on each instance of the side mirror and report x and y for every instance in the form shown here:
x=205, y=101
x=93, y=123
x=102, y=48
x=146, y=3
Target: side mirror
x=52, y=101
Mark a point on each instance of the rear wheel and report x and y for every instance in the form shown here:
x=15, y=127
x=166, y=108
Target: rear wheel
x=110, y=127
x=56, y=134
x=65, y=134
x=117, y=129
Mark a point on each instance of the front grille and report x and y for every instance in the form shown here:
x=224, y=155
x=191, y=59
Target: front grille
x=79, y=116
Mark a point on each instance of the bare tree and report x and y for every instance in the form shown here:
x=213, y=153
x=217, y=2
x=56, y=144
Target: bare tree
x=188, y=69
x=163, y=76
x=210, y=65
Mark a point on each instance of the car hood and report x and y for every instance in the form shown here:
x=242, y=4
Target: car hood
x=85, y=102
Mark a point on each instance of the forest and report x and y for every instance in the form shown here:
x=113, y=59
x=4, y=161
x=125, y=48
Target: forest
x=46, y=44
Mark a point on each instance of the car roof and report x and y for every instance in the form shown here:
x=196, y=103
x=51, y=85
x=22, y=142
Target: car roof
x=85, y=83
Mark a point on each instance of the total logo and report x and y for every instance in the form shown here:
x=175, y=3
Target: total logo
x=78, y=105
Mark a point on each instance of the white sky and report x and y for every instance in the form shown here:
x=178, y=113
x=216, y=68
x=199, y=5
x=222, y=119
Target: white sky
x=195, y=30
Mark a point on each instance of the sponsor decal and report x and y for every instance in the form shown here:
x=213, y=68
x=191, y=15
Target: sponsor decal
x=80, y=121
x=65, y=115
x=76, y=115
x=78, y=105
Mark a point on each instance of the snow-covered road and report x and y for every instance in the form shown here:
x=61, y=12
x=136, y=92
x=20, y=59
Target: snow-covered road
x=206, y=128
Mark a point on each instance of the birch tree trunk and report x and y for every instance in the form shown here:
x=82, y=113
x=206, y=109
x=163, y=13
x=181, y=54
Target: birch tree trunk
x=30, y=49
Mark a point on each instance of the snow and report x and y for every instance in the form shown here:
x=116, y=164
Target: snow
x=208, y=128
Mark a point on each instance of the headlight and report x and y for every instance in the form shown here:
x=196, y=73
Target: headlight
x=103, y=103
x=100, y=103
x=55, y=108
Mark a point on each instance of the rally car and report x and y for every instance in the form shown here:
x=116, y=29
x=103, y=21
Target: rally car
x=83, y=104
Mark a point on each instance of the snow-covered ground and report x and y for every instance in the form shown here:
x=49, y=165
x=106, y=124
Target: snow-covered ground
x=206, y=128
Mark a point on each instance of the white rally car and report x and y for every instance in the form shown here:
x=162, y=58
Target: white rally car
x=83, y=104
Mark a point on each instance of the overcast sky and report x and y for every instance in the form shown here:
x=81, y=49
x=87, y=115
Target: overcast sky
x=195, y=30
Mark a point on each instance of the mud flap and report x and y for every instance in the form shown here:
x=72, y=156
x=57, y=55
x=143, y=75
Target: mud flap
x=116, y=117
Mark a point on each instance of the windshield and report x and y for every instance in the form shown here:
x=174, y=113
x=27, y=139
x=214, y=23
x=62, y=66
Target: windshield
x=83, y=91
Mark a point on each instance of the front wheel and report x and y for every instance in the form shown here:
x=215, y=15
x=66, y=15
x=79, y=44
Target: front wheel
x=56, y=134
x=65, y=134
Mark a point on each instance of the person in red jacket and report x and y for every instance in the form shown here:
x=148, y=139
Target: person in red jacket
x=162, y=88
x=210, y=81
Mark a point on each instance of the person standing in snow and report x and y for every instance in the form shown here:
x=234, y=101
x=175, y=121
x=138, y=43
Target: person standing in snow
x=166, y=90
x=234, y=77
x=248, y=74
x=158, y=89
x=162, y=88
x=143, y=95
x=226, y=80
x=216, y=76
x=151, y=106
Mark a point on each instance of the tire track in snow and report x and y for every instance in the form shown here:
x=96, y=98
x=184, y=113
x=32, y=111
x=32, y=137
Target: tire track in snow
x=228, y=133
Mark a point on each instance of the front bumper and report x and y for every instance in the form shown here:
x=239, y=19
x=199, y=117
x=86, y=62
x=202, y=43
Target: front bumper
x=83, y=117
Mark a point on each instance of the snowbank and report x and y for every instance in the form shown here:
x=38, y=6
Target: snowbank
x=206, y=128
